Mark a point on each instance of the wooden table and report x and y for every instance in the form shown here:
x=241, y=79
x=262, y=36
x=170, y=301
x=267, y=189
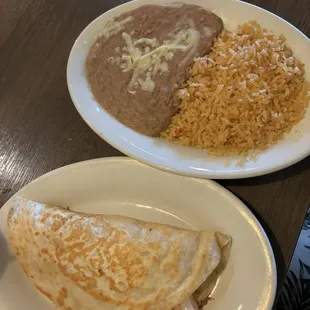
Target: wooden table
x=40, y=129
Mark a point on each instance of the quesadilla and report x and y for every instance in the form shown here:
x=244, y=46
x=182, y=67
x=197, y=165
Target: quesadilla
x=89, y=262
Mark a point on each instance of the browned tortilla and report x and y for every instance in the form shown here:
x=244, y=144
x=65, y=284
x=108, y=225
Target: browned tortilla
x=148, y=112
x=107, y=262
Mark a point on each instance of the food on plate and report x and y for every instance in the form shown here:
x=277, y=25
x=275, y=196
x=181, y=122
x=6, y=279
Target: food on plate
x=89, y=262
x=143, y=56
x=244, y=96
x=244, y=91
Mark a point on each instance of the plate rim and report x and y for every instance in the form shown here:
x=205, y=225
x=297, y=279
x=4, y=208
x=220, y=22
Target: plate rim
x=138, y=154
x=238, y=204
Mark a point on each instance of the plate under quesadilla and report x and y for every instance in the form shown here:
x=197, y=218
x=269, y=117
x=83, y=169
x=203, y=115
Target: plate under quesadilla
x=86, y=261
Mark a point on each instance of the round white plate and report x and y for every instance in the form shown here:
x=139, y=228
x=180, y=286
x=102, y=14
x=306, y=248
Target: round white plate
x=165, y=155
x=127, y=187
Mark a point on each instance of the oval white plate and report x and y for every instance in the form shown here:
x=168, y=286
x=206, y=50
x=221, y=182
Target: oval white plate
x=165, y=155
x=127, y=187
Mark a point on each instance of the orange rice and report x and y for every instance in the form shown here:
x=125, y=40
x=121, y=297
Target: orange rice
x=243, y=96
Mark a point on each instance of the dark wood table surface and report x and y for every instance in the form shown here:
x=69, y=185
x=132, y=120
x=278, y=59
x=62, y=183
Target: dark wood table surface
x=40, y=129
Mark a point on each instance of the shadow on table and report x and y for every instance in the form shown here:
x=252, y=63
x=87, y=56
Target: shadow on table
x=283, y=174
x=280, y=262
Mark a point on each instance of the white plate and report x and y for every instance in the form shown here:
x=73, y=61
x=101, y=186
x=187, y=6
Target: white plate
x=127, y=187
x=168, y=156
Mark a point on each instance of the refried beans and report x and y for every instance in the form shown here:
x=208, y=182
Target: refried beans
x=142, y=57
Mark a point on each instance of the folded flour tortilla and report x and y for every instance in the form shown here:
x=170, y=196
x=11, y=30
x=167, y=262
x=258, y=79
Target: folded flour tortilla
x=90, y=262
